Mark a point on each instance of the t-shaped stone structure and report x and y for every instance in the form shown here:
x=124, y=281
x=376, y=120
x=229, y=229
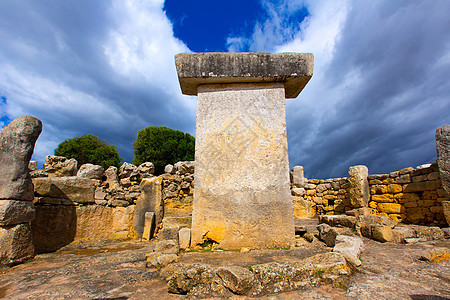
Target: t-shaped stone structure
x=242, y=196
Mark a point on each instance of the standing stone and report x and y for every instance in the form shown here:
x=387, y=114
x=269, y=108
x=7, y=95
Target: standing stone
x=149, y=226
x=184, y=238
x=150, y=200
x=242, y=196
x=16, y=148
x=443, y=157
x=359, y=186
x=14, y=212
x=297, y=177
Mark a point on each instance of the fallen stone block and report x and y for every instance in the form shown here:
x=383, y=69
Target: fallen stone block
x=60, y=166
x=167, y=247
x=348, y=244
x=382, y=233
x=328, y=234
x=437, y=254
x=238, y=279
x=338, y=220
x=429, y=233
x=91, y=171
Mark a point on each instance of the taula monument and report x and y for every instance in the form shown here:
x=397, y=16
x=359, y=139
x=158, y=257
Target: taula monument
x=242, y=197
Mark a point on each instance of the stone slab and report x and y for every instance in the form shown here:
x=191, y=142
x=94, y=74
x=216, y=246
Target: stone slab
x=242, y=196
x=14, y=212
x=293, y=70
x=73, y=188
x=149, y=226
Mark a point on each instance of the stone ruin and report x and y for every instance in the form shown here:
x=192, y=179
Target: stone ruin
x=234, y=196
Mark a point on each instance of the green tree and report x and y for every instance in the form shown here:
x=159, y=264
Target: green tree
x=89, y=149
x=162, y=146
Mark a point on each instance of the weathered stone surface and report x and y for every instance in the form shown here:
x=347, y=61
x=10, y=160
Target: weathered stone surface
x=149, y=226
x=54, y=227
x=146, y=169
x=60, y=166
x=338, y=220
x=437, y=255
x=75, y=189
x=17, y=141
x=32, y=165
x=446, y=210
x=350, y=245
x=443, y=156
x=16, y=244
x=112, y=179
x=382, y=233
x=185, y=167
x=303, y=208
x=299, y=192
x=126, y=170
x=401, y=233
x=238, y=279
x=150, y=200
x=328, y=234
x=297, y=177
x=169, y=233
x=430, y=233
x=167, y=247
x=91, y=171
x=14, y=212
x=184, y=238
x=365, y=224
x=359, y=186
x=292, y=69
x=242, y=196
x=169, y=169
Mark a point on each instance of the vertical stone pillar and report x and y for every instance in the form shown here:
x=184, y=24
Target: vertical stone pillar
x=242, y=196
x=443, y=160
x=16, y=189
x=359, y=190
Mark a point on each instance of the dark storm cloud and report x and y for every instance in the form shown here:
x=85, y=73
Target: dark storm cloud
x=388, y=91
x=91, y=67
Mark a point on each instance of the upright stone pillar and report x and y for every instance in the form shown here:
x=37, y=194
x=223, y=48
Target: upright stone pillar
x=242, y=196
x=443, y=160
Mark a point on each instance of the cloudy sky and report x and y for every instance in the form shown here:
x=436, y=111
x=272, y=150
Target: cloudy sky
x=380, y=87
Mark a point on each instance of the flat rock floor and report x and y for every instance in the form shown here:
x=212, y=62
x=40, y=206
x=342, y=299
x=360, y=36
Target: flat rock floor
x=117, y=271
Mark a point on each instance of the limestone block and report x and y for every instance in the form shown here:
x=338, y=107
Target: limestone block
x=16, y=244
x=169, y=233
x=443, y=156
x=407, y=197
x=149, y=227
x=91, y=171
x=242, y=196
x=75, y=189
x=382, y=233
x=446, y=210
x=238, y=279
x=94, y=222
x=146, y=170
x=297, y=177
x=14, y=212
x=429, y=233
x=167, y=247
x=303, y=208
x=196, y=69
x=391, y=208
x=184, y=238
x=54, y=227
x=122, y=219
x=401, y=233
x=32, y=165
x=112, y=179
x=385, y=198
x=184, y=167
x=338, y=220
x=150, y=200
x=420, y=186
x=60, y=166
x=300, y=192
x=348, y=244
x=359, y=186
x=328, y=234
x=17, y=141
x=126, y=170
x=169, y=169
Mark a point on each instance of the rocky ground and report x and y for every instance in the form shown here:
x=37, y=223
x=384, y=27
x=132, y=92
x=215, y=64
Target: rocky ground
x=118, y=271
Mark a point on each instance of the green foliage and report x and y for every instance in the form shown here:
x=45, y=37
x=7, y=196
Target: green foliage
x=89, y=149
x=163, y=146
